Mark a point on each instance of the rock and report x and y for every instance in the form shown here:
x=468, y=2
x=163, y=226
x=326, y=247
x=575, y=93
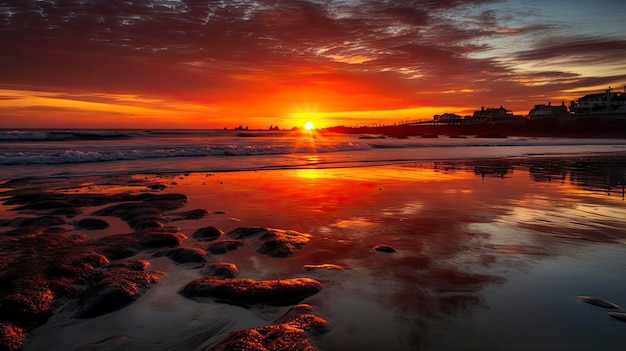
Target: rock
x=220, y=269
x=122, y=246
x=133, y=265
x=598, y=301
x=223, y=246
x=270, y=241
x=291, y=332
x=193, y=214
x=115, y=289
x=11, y=337
x=184, y=255
x=279, y=292
x=325, y=266
x=91, y=224
x=27, y=309
x=384, y=248
x=207, y=233
x=43, y=221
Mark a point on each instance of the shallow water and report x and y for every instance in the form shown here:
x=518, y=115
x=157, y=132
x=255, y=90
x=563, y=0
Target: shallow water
x=491, y=254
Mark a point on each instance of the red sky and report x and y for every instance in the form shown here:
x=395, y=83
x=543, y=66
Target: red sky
x=215, y=64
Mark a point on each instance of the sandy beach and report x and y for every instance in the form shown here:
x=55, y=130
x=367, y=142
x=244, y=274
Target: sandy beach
x=440, y=255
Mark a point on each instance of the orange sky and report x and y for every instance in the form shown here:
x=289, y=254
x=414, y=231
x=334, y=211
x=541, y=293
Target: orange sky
x=214, y=64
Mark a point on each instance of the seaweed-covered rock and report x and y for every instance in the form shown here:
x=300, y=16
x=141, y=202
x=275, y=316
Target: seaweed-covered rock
x=185, y=255
x=115, y=289
x=198, y=213
x=122, y=246
x=220, y=269
x=133, y=265
x=223, y=246
x=291, y=332
x=28, y=308
x=279, y=292
x=11, y=337
x=270, y=241
x=91, y=224
x=207, y=233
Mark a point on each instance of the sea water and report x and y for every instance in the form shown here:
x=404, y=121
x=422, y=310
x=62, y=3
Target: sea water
x=53, y=153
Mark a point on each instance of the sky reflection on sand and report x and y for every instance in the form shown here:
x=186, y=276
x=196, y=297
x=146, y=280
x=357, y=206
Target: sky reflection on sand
x=480, y=246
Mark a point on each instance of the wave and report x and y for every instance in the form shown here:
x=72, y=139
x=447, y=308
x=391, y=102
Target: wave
x=24, y=135
x=150, y=152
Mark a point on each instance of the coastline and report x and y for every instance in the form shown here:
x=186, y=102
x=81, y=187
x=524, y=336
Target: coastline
x=571, y=127
x=454, y=224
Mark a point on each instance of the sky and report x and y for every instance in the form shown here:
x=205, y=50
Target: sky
x=215, y=64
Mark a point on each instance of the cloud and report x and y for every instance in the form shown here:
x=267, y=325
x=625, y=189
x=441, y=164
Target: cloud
x=346, y=52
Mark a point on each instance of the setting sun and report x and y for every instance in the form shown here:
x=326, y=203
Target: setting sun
x=308, y=125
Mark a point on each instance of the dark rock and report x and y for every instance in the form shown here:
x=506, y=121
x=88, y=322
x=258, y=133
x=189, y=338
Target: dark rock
x=115, y=289
x=11, y=337
x=28, y=308
x=76, y=266
x=44, y=221
x=91, y=224
x=184, y=255
x=193, y=214
x=224, y=246
x=122, y=246
x=220, y=269
x=291, y=332
x=621, y=316
x=207, y=233
x=270, y=241
x=133, y=265
x=278, y=292
x=384, y=248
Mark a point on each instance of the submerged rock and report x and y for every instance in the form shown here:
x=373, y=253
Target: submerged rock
x=598, y=301
x=278, y=292
x=207, y=233
x=270, y=241
x=291, y=332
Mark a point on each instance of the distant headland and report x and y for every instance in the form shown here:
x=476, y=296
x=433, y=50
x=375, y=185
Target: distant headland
x=601, y=115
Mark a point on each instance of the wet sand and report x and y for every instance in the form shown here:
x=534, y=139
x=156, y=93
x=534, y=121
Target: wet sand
x=488, y=254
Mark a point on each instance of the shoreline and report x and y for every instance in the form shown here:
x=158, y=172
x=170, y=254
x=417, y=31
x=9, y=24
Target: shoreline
x=426, y=211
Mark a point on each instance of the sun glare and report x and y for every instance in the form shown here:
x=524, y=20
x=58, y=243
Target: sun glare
x=308, y=125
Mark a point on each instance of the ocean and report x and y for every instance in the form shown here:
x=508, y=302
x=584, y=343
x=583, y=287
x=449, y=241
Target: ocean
x=55, y=153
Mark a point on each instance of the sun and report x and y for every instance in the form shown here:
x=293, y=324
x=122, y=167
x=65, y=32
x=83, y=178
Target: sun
x=308, y=125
